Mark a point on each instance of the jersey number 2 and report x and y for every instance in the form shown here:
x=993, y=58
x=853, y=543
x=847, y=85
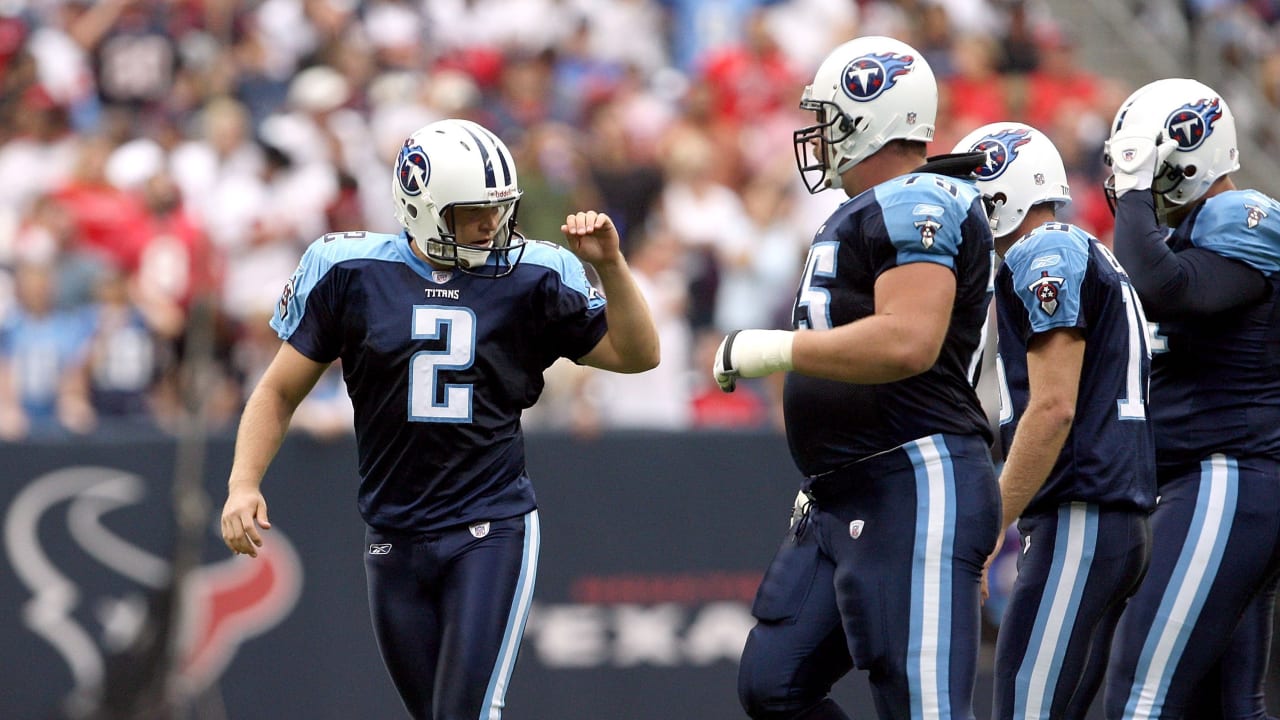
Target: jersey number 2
x=457, y=327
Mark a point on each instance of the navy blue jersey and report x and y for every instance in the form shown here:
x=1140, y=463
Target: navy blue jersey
x=921, y=217
x=439, y=366
x=1215, y=382
x=1059, y=276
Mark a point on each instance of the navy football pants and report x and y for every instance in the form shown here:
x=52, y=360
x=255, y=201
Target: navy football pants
x=883, y=574
x=449, y=610
x=1078, y=566
x=1215, y=552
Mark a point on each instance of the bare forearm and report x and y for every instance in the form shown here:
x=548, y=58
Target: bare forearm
x=262, y=429
x=631, y=329
x=873, y=350
x=1036, y=446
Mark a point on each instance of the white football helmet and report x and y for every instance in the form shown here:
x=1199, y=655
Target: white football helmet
x=868, y=91
x=1191, y=113
x=452, y=163
x=1022, y=170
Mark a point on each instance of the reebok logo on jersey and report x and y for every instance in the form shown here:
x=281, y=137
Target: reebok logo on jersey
x=380, y=549
x=1045, y=261
x=479, y=529
x=855, y=529
x=1026, y=544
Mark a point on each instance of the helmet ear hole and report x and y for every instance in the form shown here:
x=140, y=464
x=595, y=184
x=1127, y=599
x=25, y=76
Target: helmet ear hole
x=412, y=210
x=1189, y=170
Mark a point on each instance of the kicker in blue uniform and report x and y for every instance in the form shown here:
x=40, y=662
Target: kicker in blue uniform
x=1203, y=255
x=443, y=333
x=899, y=506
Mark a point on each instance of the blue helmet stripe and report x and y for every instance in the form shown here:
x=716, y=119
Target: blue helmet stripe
x=502, y=157
x=489, y=180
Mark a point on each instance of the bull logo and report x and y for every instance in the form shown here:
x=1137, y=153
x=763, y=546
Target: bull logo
x=222, y=604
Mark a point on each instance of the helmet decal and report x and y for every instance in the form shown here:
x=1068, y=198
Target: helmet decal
x=866, y=77
x=1001, y=149
x=1192, y=123
x=412, y=156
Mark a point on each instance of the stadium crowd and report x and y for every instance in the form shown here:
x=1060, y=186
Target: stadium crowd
x=161, y=156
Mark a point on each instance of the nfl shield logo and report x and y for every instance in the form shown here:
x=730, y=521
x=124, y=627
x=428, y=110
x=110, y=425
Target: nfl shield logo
x=441, y=277
x=480, y=529
x=855, y=529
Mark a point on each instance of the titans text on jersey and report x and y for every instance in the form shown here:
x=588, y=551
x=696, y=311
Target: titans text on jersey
x=439, y=365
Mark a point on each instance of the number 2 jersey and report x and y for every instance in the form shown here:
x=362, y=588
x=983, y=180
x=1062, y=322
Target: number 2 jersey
x=920, y=217
x=1059, y=276
x=439, y=365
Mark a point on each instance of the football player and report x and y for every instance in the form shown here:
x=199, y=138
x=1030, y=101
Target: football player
x=1203, y=256
x=1079, y=470
x=444, y=332
x=899, y=505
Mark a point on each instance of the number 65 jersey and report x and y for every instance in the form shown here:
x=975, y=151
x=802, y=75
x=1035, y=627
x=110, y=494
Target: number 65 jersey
x=920, y=217
x=439, y=365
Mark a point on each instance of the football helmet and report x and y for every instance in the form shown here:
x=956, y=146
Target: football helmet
x=868, y=91
x=1022, y=169
x=450, y=164
x=1198, y=118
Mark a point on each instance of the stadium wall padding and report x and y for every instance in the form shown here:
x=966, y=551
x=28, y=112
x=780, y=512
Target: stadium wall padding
x=652, y=547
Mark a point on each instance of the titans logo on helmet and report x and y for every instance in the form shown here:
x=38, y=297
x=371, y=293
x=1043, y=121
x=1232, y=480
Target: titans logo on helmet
x=1000, y=148
x=1192, y=123
x=868, y=76
x=412, y=157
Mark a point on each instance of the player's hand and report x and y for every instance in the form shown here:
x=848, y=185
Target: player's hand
x=1136, y=158
x=592, y=237
x=986, y=567
x=751, y=353
x=243, y=514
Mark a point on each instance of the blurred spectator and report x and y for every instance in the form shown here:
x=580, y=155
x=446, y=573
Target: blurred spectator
x=629, y=184
x=42, y=352
x=661, y=398
x=707, y=218
x=106, y=218
x=130, y=345
x=759, y=277
x=47, y=236
x=1059, y=82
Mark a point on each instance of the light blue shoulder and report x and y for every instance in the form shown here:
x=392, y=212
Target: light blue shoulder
x=331, y=249
x=941, y=190
x=1057, y=249
x=1243, y=225
x=561, y=261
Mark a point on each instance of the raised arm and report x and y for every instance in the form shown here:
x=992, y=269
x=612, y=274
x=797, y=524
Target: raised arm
x=1194, y=281
x=631, y=343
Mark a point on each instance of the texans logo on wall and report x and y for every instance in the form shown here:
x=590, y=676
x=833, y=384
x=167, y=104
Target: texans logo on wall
x=63, y=535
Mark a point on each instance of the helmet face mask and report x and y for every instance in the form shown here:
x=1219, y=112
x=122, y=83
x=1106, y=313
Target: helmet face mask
x=1022, y=169
x=1195, y=116
x=454, y=164
x=867, y=92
